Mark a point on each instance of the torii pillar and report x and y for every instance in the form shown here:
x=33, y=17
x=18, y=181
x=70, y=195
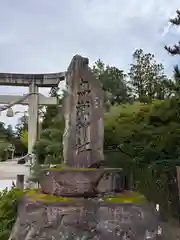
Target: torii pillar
x=33, y=116
x=34, y=99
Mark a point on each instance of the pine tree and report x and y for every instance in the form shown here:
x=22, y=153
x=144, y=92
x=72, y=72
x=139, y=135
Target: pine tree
x=175, y=50
x=146, y=76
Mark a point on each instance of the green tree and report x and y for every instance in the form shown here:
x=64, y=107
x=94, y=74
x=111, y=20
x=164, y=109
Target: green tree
x=175, y=50
x=10, y=133
x=147, y=76
x=113, y=81
x=51, y=111
x=173, y=85
x=20, y=128
x=6, y=139
x=49, y=147
x=147, y=142
x=24, y=138
x=22, y=125
x=8, y=210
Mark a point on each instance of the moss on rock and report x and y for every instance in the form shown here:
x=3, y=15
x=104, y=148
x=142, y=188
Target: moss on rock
x=69, y=168
x=126, y=197
x=37, y=195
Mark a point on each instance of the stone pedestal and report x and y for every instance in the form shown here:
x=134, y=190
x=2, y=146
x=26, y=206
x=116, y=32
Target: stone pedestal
x=47, y=217
x=68, y=206
x=71, y=181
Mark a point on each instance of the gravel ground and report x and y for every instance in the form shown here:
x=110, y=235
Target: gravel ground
x=10, y=169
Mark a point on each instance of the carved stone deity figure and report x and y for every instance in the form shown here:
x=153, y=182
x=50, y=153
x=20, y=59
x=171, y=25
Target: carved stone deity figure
x=83, y=112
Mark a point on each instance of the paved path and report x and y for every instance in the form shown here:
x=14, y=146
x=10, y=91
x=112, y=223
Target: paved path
x=10, y=169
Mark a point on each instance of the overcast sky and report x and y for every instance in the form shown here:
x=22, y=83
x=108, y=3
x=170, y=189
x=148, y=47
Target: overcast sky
x=38, y=36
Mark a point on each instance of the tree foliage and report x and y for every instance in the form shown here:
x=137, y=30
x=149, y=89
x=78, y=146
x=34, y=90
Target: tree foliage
x=148, y=133
x=49, y=147
x=113, y=82
x=8, y=210
x=148, y=137
x=24, y=137
x=147, y=76
x=7, y=139
x=51, y=111
x=21, y=134
x=175, y=50
x=22, y=125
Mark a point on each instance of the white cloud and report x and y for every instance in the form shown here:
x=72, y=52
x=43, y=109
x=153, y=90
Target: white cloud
x=42, y=36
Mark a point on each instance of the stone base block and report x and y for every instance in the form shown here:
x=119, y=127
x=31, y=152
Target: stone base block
x=71, y=182
x=42, y=217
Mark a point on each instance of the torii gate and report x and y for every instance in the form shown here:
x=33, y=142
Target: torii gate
x=33, y=99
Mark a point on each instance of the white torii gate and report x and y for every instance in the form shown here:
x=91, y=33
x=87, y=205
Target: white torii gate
x=33, y=99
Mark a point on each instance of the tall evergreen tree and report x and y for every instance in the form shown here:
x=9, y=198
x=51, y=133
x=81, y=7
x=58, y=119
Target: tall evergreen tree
x=175, y=50
x=113, y=82
x=146, y=76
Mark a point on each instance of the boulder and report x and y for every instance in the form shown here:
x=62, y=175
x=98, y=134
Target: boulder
x=47, y=217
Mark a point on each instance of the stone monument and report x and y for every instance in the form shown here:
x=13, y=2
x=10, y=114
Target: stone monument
x=83, y=111
x=69, y=204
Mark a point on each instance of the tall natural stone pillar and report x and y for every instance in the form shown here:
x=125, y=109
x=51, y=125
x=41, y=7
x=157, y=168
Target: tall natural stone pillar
x=83, y=112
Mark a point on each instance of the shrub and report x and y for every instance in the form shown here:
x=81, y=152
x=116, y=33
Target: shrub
x=8, y=210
